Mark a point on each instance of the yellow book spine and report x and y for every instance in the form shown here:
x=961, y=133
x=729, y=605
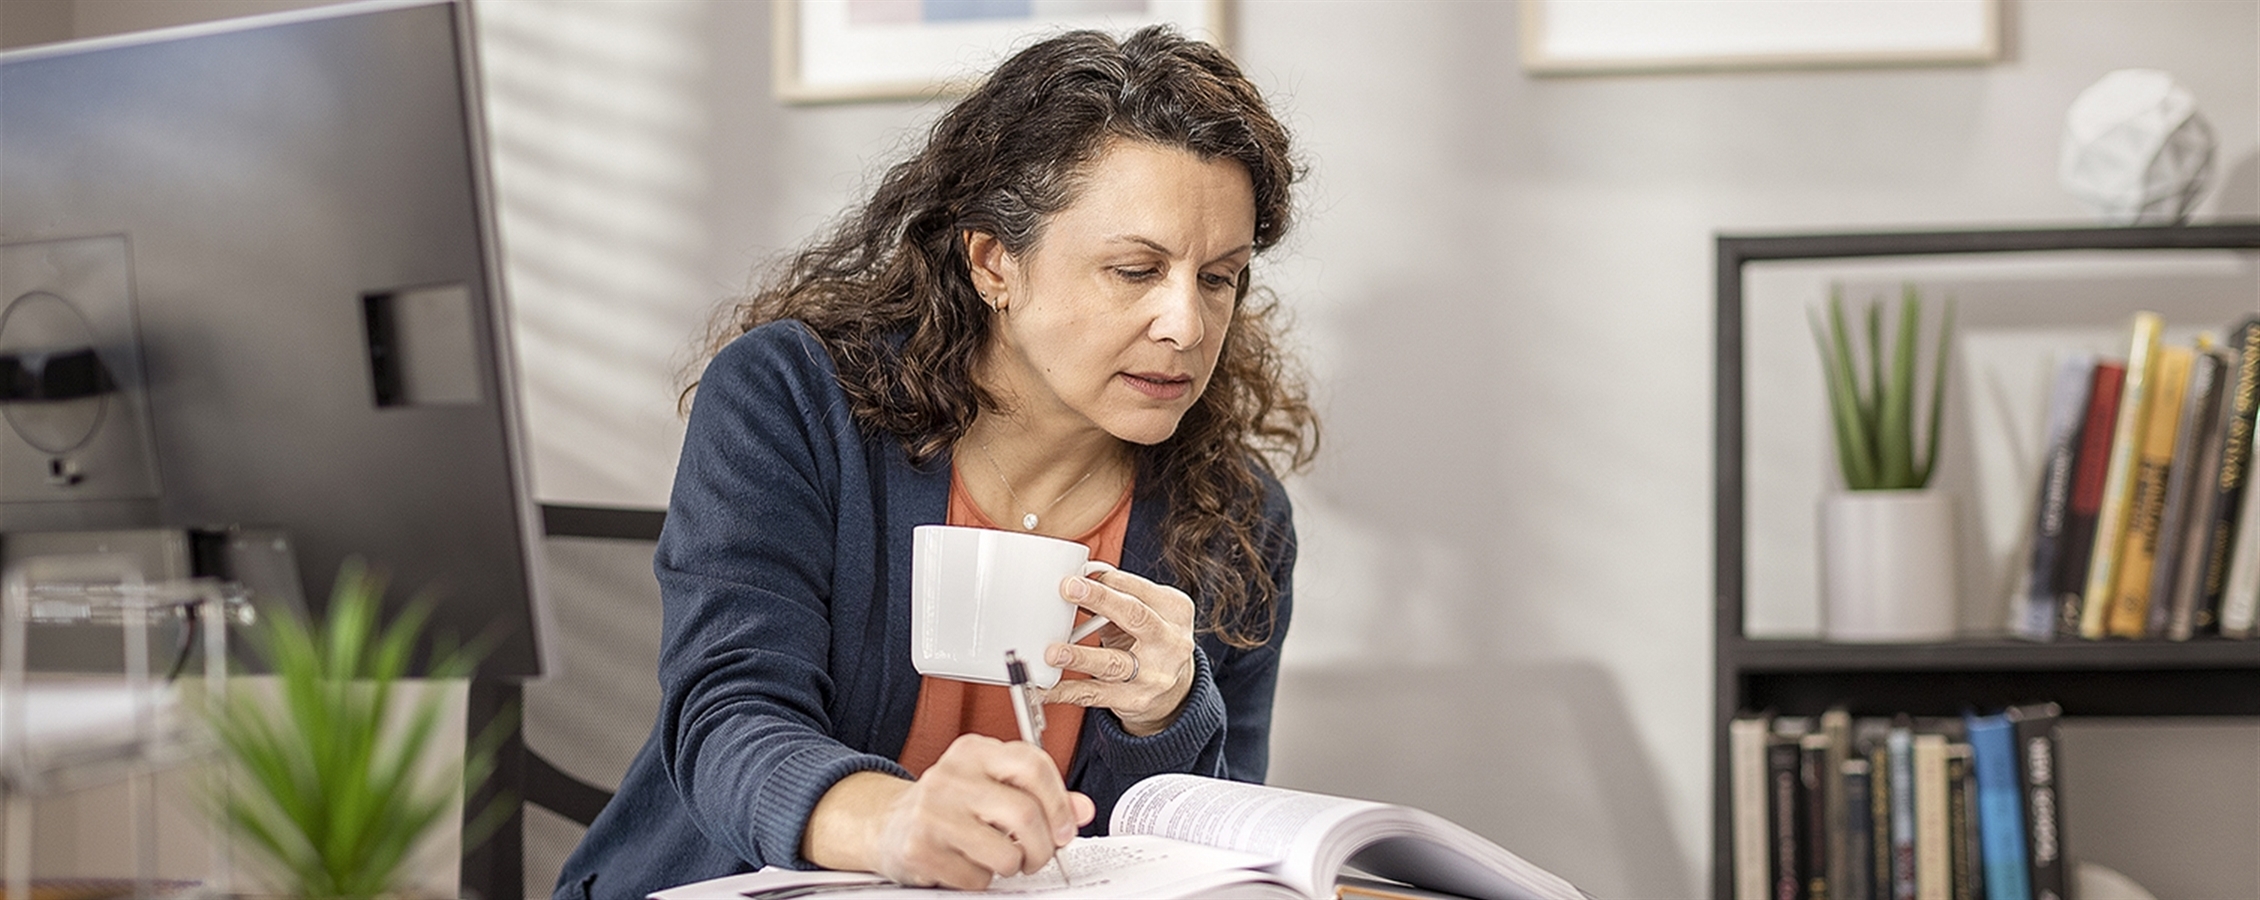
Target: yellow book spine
x=2118, y=478
x=2138, y=555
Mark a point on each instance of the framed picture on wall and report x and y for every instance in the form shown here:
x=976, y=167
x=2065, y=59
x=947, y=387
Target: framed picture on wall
x=839, y=50
x=1571, y=37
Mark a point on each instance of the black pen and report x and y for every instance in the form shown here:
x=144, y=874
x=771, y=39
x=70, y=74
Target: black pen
x=1029, y=712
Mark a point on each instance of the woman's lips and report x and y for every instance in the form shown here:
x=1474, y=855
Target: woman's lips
x=1159, y=386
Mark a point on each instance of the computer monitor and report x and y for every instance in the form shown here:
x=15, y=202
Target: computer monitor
x=248, y=277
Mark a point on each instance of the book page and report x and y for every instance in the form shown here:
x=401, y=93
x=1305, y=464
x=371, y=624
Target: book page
x=1290, y=827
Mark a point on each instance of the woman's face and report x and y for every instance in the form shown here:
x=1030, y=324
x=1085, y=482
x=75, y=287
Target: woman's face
x=1116, y=317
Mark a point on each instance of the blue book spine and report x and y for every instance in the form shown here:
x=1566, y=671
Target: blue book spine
x=2001, y=827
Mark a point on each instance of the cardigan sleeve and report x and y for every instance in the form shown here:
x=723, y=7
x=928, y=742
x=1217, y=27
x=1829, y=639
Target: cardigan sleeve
x=1224, y=730
x=745, y=565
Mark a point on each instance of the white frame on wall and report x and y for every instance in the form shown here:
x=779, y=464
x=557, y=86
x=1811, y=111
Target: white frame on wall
x=1577, y=37
x=820, y=58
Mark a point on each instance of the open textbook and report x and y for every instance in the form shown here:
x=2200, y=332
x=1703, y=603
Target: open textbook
x=1188, y=836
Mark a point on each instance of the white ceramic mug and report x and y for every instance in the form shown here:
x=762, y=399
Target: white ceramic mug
x=978, y=592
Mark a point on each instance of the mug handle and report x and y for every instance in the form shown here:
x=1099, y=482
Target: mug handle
x=1094, y=623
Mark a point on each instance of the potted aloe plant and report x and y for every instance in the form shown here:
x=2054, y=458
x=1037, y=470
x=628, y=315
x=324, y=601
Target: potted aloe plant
x=1887, y=540
x=336, y=784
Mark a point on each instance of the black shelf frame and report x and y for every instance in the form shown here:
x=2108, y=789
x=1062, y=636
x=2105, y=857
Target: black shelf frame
x=2106, y=678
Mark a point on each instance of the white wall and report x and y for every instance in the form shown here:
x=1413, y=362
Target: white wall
x=1503, y=283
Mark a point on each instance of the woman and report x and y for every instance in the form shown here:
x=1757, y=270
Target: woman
x=1040, y=320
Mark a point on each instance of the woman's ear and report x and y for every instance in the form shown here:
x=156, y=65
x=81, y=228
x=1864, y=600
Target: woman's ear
x=991, y=267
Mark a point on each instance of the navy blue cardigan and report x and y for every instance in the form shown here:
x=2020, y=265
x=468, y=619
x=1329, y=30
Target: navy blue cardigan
x=785, y=659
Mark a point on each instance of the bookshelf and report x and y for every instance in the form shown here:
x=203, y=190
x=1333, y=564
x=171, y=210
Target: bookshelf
x=2213, y=677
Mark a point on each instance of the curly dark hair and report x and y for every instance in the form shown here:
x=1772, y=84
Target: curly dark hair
x=888, y=290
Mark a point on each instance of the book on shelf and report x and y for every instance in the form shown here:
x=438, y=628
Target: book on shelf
x=1189, y=836
x=1859, y=833
x=2186, y=614
x=2039, y=738
x=1900, y=745
x=2192, y=433
x=1746, y=742
x=2240, y=590
x=1812, y=804
x=1786, y=817
x=2035, y=604
x=2128, y=614
x=2091, y=462
x=1961, y=811
x=1934, y=848
x=1836, y=732
x=2001, y=831
x=2119, y=476
x=2235, y=471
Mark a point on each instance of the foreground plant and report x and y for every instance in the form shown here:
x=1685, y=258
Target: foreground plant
x=332, y=792
x=1875, y=420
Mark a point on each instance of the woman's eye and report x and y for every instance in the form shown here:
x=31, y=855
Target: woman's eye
x=1137, y=273
x=1216, y=282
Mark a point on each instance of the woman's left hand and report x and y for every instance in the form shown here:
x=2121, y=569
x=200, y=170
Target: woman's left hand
x=1143, y=666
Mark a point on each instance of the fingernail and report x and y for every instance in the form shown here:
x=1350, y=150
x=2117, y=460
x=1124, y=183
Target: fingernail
x=1056, y=656
x=1077, y=587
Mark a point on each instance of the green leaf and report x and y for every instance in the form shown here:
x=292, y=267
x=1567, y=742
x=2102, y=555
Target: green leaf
x=1937, y=398
x=1895, y=443
x=1843, y=400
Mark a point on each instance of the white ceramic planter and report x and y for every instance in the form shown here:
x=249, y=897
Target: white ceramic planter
x=1887, y=566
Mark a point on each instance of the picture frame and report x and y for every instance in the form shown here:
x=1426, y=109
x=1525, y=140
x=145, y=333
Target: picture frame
x=1581, y=37
x=832, y=51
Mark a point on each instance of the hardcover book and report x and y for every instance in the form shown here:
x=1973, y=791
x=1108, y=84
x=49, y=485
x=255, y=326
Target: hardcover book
x=2035, y=607
x=1753, y=853
x=1859, y=834
x=1934, y=841
x=2001, y=831
x=2120, y=475
x=2192, y=436
x=2090, y=463
x=2235, y=471
x=2129, y=612
x=2183, y=618
x=2038, y=738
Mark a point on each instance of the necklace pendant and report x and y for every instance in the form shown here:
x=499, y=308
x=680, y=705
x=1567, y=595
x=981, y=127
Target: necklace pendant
x=1028, y=521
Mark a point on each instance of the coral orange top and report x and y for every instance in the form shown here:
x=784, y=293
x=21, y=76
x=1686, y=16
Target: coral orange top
x=948, y=708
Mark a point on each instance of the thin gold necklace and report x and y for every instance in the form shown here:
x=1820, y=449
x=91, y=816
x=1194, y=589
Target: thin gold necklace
x=1028, y=521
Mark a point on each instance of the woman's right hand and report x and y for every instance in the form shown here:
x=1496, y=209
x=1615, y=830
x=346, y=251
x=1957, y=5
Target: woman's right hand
x=986, y=808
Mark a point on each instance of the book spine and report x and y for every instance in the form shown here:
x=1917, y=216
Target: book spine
x=1746, y=740
x=1813, y=781
x=1934, y=866
x=1961, y=821
x=2119, y=477
x=2090, y=465
x=1836, y=726
x=2191, y=436
x=2035, y=617
x=2235, y=471
x=2183, y=619
x=2240, y=592
x=1859, y=834
x=2001, y=831
x=1782, y=759
x=1902, y=746
x=2129, y=613
x=2039, y=737
x=1882, y=879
